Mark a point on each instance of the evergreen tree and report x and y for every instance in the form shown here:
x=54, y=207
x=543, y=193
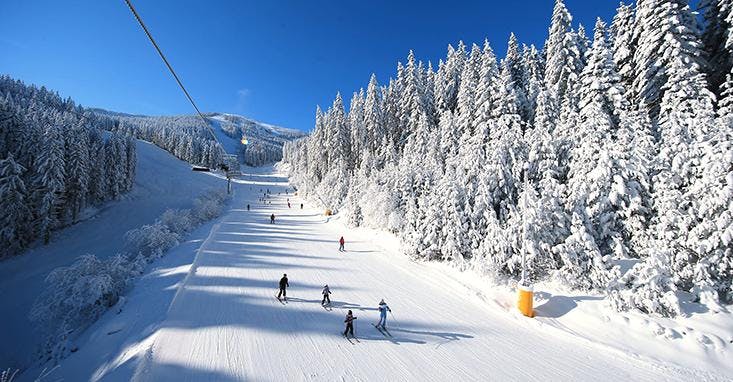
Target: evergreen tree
x=13, y=204
x=50, y=182
x=718, y=40
x=624, y=43
x=77, y=171
x=666, y=32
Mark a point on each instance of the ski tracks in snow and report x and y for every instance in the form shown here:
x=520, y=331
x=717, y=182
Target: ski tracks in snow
x=224, y=325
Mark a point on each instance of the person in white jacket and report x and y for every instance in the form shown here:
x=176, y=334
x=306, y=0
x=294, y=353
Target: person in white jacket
x=383, y=309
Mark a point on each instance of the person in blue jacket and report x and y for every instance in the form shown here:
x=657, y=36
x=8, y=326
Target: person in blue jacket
x=383, y=309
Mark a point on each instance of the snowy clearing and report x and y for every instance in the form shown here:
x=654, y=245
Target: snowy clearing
x=223, y=321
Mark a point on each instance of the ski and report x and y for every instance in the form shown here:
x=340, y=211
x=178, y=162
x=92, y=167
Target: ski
x=279, y=300
x=387, y=331
x=380, y=330
x=348, y=339
x=326, y=307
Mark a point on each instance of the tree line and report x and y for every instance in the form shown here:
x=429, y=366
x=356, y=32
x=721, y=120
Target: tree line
x=607, y=159
x=56, y=159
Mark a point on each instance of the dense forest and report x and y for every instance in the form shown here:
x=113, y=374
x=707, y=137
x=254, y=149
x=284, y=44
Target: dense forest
x=607, y=159
x=183, y=136
x=56, y=159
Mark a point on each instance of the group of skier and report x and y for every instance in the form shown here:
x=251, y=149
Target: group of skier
x=383, y=308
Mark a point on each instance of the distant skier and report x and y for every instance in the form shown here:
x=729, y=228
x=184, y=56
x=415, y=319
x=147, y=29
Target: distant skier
x=341, y=244
x=272, y=219
x=283, y=285
x=349, y=324
x=288, y=204
x=383, y=309
x=301, y=206
x=247, y=207
x=326, y=292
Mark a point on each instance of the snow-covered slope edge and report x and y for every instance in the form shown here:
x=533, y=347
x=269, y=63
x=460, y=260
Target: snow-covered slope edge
x=162, y=182
x=116, y=346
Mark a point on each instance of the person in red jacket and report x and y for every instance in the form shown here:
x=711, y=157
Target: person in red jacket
x=341, y=244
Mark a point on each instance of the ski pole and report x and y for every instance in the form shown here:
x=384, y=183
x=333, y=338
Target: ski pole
x=394, y=319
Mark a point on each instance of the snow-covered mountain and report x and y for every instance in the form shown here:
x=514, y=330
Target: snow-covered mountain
x=264, y=141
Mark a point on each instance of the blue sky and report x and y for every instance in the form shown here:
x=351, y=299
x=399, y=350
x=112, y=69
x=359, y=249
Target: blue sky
x=270, y=60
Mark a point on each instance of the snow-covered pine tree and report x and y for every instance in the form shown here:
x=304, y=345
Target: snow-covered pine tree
x=718, y=40
x=14, y=228
x=131, y=163
x=559, y=50
x=449, y=77
x=666, y=31
x=466, y=107
x=50, y=182
x=624, y=43
x=338, y=135
x=513, y=61
x=712, y=207
x=373, y=121
x=358, y=130
x=77, y=171
x=533, y=81
x=488, y=74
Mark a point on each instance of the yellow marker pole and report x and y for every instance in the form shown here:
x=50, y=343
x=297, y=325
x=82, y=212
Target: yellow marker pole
x=526, y=292
x=526, y=300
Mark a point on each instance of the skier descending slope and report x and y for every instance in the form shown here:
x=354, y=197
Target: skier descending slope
x=272, y=219
x=341, y=244
x=326, y=291
x=283, y=285
x=349, y=324
x=383, y=309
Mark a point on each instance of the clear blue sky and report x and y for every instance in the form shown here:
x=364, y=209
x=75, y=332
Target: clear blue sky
x=270, y=60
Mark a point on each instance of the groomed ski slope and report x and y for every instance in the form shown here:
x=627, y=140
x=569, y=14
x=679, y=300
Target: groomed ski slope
x=225, y=324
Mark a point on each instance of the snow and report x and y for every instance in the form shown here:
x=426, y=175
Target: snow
x=162, y=182
x=230, y=145
x=207, y=311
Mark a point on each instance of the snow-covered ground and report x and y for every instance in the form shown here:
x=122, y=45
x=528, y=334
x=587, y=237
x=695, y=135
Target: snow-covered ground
x=207, y=311
x=162, y=182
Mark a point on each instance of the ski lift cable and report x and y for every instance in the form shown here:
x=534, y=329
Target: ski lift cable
x=170, y=68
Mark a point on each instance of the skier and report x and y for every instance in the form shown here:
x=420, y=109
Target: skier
x=326, y=292
x=301, y=206
x=283, y=284
x=349, y=324
x=341, y=244
x=272, y=219
x=288, y=204
x=383, y=309
x=247, y=207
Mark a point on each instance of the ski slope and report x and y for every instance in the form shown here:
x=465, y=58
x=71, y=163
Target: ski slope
x=224, y=323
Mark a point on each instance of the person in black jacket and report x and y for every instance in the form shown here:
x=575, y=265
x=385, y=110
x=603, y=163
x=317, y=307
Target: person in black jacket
x=272, y=218
x=349, y=324
x=283, y=284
